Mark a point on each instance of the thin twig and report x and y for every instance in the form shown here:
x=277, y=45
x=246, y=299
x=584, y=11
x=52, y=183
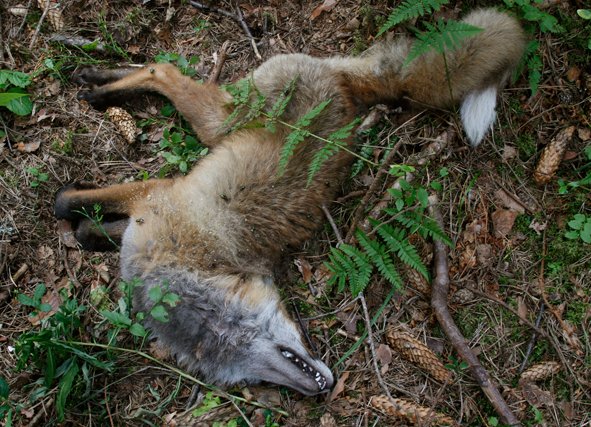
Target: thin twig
x=216, y=70
x=38, y=28
x=238, y=17
x=108, y=409
x=332, y=223
x=440, y=291
x=532, y=340
x=372, y=348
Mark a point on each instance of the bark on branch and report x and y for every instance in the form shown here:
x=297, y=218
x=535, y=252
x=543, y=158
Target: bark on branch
x=439, y=294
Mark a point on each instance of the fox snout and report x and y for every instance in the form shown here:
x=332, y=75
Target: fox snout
x=231, y=330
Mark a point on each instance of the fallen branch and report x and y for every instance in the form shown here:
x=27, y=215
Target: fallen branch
x=216, y=70
x=439, y=294
x=238, y=17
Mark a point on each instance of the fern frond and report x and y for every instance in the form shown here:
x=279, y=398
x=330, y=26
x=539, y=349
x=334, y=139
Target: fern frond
x=298, y=135
x=336, y=141
x=410, y=9
x=280, y=104
x=379, y=256
x=395, y=239
x=340, y=266
x=425, y=226
x=444, y=36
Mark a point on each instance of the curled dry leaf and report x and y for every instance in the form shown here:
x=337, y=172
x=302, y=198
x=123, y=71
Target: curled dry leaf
x=552, y=156
x=28, y=147
x=417, y=352
x=124, y=122
x=411, y=411
x=540, y=371
x=326, y=6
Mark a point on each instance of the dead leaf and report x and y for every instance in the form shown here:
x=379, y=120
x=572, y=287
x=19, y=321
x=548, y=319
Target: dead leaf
x=509, y=201
x=535, y=395
x=484, y=254
x=305, y=269
x=326, y=6
x=573, y=73
x=509, y=153
x=538, y=227
x=327, y=420
x=384, y=354
x=28, y=147
x=53, y=298
x=584, y=134
x=66, y=233
x=339, y=386
x=503, y=221
x=522, y=308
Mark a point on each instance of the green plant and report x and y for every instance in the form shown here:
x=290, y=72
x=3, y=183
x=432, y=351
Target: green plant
x=7, y=408
x=37, y=177
x=185, y=65
x=35, y=301
x=410, y=9
x=536, y=20
x=13, y=95
x=180, y=148
x=160, y=295
x=96, y=217
x=564, y=187
x=355, y=266
x=585, y=14
x=580, y=228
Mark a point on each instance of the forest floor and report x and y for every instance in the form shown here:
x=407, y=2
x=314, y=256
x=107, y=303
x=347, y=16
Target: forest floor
x=520, y=260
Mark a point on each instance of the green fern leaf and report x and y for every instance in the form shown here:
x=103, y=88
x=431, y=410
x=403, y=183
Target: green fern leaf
x=445, y=36
x=280, y=105
x=298, y=135
x=395, y=239
x=411, y=9
x=425, y=226
x=337, y=140
x=378, y=254
x=360, y=277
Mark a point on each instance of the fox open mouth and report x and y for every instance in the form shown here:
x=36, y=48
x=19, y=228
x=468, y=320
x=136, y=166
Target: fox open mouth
x=306, y=368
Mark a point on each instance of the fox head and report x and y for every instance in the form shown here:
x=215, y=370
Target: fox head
x=232, y=329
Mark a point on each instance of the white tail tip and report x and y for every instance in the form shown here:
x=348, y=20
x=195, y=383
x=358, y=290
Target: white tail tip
x=478, y=113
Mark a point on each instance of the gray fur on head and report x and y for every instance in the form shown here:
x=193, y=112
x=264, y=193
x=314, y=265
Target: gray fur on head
x=231, y=329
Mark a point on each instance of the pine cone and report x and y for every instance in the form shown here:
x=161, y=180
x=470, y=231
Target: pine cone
x=54, y=14
x=413, y=412
x=552, y=156
x=418, y=353
x=417, y=281
x=124, y=122
x=540, y=371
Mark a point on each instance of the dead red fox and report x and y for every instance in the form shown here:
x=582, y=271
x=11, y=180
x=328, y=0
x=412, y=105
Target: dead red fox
x=215, y=236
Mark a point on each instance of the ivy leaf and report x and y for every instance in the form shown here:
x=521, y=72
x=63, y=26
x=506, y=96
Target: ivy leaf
x=171, y=299
x=159, y=313
x=138, y=330
x=155, y=294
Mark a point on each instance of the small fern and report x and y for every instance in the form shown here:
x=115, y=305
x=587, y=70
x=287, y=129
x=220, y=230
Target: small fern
x=443, y=36
x=410, y=9
x=396, y=240
x=379, y=255
x=336, y=141
x=417, y=222
x=348, y=263
x=280, y=105
x=298, y=134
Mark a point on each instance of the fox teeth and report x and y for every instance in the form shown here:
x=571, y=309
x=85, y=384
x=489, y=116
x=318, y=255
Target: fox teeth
x=287, y=354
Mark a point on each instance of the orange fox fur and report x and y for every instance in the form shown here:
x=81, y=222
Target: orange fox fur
x=215, y=236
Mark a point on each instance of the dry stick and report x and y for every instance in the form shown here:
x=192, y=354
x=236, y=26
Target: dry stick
x=238, y=17
x=372, y=348
x=440, y=289
x=38, y=28
x=216, y=70
x=532, y=340
x=332, y=224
